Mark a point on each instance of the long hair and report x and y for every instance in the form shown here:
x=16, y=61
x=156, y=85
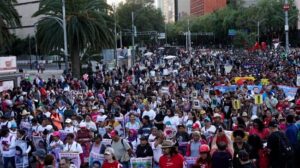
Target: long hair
x=260, y=125
x=173, y=151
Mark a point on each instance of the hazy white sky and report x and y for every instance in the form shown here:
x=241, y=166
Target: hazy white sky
x=116, y=2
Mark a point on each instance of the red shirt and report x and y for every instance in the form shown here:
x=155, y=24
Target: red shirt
x=39, y=165
x=114, y=164
x=175, y=161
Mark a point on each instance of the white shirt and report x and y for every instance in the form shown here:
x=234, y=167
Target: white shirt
x=70, y=129
x=91, y=126
x=8, y=146
x=171, y=121
x=150, y=113
x=157, y=151
x=135, y=125
x=208, y=132
x=41, y=129
x=74, y=147
x=47, y=114
x=56, y=143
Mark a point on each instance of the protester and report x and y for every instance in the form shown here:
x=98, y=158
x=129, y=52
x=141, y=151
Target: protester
x=170, y=158
x=110, y=159
x=204, y=160
x=40, y=155
x=144, y=149
x=8, y=148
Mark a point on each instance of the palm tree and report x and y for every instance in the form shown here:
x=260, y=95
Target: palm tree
x=9, y=18
x=88, y=26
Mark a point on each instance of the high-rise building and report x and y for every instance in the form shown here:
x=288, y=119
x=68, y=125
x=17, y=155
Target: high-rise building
x=173, y=10
x=26, y=8
x=202, y=7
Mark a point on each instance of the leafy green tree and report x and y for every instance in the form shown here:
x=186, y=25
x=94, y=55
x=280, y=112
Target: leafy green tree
x=9, y=17
x=146, y=17
x=88, y=26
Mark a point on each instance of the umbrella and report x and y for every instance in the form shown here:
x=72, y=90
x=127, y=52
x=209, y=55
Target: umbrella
x=170, y=57
x=148, y=54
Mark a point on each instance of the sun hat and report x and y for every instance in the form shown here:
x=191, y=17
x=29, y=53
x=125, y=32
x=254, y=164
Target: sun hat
x=167, y=144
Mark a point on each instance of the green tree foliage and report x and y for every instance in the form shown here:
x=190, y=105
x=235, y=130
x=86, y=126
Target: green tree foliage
x=146, y=17
x=88, y=26
x=9, y=18
x=269, y=13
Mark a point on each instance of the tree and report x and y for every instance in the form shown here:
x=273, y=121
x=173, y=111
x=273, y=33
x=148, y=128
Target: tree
x=9, y=18
x=147, y=18
x=88, y=26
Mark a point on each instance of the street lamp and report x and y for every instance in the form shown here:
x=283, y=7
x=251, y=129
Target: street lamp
x=65, y=34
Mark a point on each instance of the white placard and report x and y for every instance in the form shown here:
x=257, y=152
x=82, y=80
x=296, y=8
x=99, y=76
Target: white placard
x=8, y=64
x=6, y=85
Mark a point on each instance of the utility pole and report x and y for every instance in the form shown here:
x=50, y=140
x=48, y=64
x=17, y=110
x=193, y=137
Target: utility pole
x=65, y=34
x=286, y=8
x=121, y=43
x=116, y=40
x=132, y=38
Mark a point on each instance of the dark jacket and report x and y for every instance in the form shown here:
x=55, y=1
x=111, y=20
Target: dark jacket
x=144, y=151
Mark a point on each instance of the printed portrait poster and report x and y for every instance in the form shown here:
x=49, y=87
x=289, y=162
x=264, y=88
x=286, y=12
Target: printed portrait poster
x=141, y=162
x=96, y=160
x=74, y=157
x=190, y=161
x=39, y=142
x=21, y=158
x=26, y=126
x=86, y=151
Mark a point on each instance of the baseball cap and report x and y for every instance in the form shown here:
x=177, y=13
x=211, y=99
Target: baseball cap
x=68, y=120
x=113, y=133
x=207, y=119
x=82, y=125
x=204, y=148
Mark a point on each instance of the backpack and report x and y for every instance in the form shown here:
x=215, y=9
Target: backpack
x=285, y=148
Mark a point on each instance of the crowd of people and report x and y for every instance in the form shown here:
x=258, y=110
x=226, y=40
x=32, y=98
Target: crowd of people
x=199, y=109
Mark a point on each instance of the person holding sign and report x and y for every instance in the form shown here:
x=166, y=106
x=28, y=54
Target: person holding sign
x=171, y=158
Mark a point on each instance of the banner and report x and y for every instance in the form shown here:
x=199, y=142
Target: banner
x=288, y=91
x=21, y=157
x=265, y=81
x=258, y=99
x=225, y=89
x=74, y=157
x=236, y=79
x=6, y=85
x=39, y=142
x=96, y=159
x=190, y=161
x=106, y=142
x=141, y=162
x=8, y=64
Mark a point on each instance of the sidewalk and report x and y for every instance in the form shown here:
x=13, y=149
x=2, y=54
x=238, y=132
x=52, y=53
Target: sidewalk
x=46, y=74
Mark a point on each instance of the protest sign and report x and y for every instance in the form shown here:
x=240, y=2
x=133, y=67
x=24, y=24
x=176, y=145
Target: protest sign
x=74, y=157
x=141, y=162
x=190, y=161
x=39, y=142
x=258, y=99
x=26, y=126
x=236, y=104
x=196, y=104
x=21, y=157
x=289, y=91
x=194, y=94
x=106, y=142
x=170, y=132
x=95, y=158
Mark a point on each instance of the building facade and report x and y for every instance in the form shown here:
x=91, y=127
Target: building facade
x=202, y=7
x=26, y=8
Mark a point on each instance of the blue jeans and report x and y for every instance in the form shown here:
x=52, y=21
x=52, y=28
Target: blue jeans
x=8, y=160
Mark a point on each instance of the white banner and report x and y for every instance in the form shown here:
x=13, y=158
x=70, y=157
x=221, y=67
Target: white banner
x=6, y=85
x=141, y=162
x=8, y=64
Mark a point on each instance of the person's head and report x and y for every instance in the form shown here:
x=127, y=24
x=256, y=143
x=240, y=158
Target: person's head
x=222, y=145
x=207, y=121
x=64, y=163
x=96, y=164
x=146, y=119
x=243, y=156
x=70, y=138
x=68, y=122
x=109, y=154
x=132, y=117
x=114, y=134
x=5, y=132
x=204, y=152
x=44, y=122
x=290, y=119
x=181, y=128
x=170, y=113
x=258, y=124
x=21, y=133
x=192, y=116
x=56, y=135
x=273, y=126
x=98, y=138
x=49, y=160
x=88, y=118
x=238, y=136
x=154, y=131
x=168, y=148
x=217, y=118
x=196, y=136
x=143, y=140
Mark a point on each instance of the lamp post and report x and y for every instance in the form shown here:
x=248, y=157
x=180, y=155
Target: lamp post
x=286, y=8
x=132, y=39
x=65, y=34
